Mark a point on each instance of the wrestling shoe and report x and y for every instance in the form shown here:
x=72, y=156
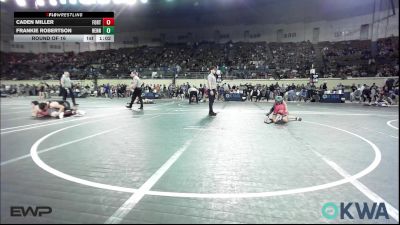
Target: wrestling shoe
x=80, y=113
x=267, y=120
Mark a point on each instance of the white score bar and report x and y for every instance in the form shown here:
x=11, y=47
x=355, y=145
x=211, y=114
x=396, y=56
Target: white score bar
x=63, y=38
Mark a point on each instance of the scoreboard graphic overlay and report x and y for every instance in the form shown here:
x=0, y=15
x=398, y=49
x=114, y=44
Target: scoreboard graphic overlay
x=64, y=26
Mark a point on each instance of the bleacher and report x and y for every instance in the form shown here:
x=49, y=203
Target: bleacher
x=244, y=60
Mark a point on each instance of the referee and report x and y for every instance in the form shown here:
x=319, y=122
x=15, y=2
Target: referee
x=66, y=86
x=212, y=89
x=137, y=90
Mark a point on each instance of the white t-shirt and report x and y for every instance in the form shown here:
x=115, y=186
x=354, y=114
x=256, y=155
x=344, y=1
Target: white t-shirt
x=66, y=82
x=193, y=89
x=136, y=83
x=212, y=81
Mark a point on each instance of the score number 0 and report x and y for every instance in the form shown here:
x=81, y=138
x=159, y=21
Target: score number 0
x=108, y=21
x=108, y=25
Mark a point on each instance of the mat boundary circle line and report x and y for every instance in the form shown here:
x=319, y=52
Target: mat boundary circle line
x=35, y=157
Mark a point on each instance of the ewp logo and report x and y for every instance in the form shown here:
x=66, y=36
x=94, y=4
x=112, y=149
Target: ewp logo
x=17, y=211
x=331, y=211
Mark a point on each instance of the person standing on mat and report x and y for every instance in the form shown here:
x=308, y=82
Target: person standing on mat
x=66, y=86
x=212, y=88
x=137, y=90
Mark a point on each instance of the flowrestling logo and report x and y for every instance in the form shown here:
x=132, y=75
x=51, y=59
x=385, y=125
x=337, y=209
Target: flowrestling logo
x=363, y=210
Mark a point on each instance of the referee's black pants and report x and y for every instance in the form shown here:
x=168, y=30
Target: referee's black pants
x=71, y=94
x=211, y=99
x=137, y=93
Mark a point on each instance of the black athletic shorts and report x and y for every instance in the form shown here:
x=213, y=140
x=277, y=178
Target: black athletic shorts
x=64, y=103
